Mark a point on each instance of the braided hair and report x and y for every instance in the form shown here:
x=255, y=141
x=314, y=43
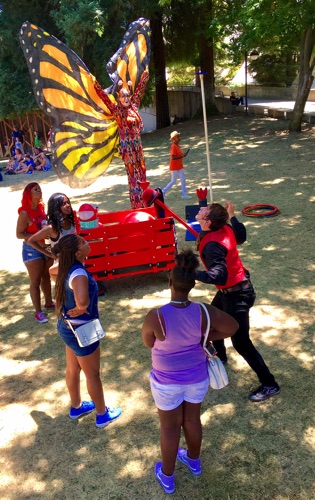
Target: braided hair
x=65, y=249
x=183, y=274
x=54, y=214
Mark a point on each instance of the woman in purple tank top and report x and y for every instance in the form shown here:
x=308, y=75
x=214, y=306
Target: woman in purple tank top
x=179, y=378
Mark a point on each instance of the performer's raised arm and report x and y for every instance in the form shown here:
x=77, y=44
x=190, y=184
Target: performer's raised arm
x=138, y=94
x=105, y=97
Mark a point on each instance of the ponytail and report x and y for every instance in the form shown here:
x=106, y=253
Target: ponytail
x=65, y=249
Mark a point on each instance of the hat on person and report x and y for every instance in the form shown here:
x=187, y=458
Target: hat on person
x=174, y=134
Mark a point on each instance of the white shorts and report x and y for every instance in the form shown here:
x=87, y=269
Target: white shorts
x=168, y=397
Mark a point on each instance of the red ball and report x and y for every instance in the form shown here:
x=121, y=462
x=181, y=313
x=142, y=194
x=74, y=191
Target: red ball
x=87, y=212
x=135, y=216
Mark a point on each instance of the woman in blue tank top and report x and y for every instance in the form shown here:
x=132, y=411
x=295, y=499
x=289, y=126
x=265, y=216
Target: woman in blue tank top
x=76, y=297
x=179, y=378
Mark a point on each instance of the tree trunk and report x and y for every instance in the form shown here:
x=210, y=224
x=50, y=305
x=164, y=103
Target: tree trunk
x=158, y=54
x=206, y=56
x=307, y=63
x=207, y=66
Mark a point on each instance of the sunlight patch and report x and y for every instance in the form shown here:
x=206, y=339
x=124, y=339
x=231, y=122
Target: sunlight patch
x=270, y=248
x=133, y=468
x=15, y=421
x=225, y=410
x=233, y=440
x=306, y=359
x=48, y=395
x=273, y=317
x=258, y=423
x=309, y=437
x=271, y=183
x=9, y=367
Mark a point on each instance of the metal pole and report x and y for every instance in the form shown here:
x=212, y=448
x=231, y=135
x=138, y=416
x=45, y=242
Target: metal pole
x=206, y=132
x=177, y=217
x=246, y=89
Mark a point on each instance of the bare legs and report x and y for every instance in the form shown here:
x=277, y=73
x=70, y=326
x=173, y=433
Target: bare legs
x=45, y=283
x=39, y=279
x=186, y=416
x=73, y=370
x=170, y=427
x=91, y=368
x=192, y=429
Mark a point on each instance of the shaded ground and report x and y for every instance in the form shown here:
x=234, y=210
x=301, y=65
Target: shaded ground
x=250, y=451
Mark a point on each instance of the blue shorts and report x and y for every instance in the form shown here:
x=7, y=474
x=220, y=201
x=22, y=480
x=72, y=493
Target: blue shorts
x=170, y=396
x=69, y=339
x=29, y=253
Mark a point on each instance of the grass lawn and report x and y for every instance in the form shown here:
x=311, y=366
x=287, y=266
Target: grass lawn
x=250, y=451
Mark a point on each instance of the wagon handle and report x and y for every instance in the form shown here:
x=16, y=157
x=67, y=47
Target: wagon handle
x=151, y=196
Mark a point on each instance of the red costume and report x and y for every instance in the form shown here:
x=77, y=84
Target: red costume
x=130, y=125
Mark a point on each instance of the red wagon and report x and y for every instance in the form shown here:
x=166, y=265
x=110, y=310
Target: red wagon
x=123, y=244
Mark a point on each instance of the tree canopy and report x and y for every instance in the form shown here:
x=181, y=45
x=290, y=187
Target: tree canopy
x=185, y=33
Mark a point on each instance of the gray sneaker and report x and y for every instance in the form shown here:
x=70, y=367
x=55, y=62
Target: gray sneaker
x=263, y=392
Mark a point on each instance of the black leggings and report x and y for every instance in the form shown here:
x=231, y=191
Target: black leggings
x=237, y=304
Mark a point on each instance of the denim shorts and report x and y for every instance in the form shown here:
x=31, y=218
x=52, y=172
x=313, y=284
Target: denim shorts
x=70, y=340
x=29, y=253
x=170, y=396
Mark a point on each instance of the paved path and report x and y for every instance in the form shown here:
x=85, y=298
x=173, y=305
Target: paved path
x=309, y=106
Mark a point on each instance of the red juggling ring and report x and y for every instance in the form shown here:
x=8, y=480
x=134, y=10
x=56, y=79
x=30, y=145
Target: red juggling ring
x=260, y=210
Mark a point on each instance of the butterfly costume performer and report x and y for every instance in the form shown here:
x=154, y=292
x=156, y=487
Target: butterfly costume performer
x=89, y=122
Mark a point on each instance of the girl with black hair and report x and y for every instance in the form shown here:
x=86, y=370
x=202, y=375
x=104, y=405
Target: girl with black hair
x=179, y=377
x=76, y=296
x=60, y=222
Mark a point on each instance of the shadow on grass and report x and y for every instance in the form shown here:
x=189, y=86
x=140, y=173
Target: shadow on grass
x=242, y=441
x=250, y=451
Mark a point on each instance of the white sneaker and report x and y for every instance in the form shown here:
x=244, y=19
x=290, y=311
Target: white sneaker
x=186, y=197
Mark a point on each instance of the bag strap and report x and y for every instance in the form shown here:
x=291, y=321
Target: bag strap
x=71, y=327
x=210, y=352
x=67, y=321
x=160, y=321
x=208, y=323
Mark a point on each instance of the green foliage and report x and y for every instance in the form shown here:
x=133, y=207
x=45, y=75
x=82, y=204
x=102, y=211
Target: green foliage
x=94, y=29
x=16, y=96
x=81, y=22
x=275, y=70
x=181, y=76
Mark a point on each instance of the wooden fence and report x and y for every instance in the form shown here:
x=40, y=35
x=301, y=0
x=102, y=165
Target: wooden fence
x=28, y=124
